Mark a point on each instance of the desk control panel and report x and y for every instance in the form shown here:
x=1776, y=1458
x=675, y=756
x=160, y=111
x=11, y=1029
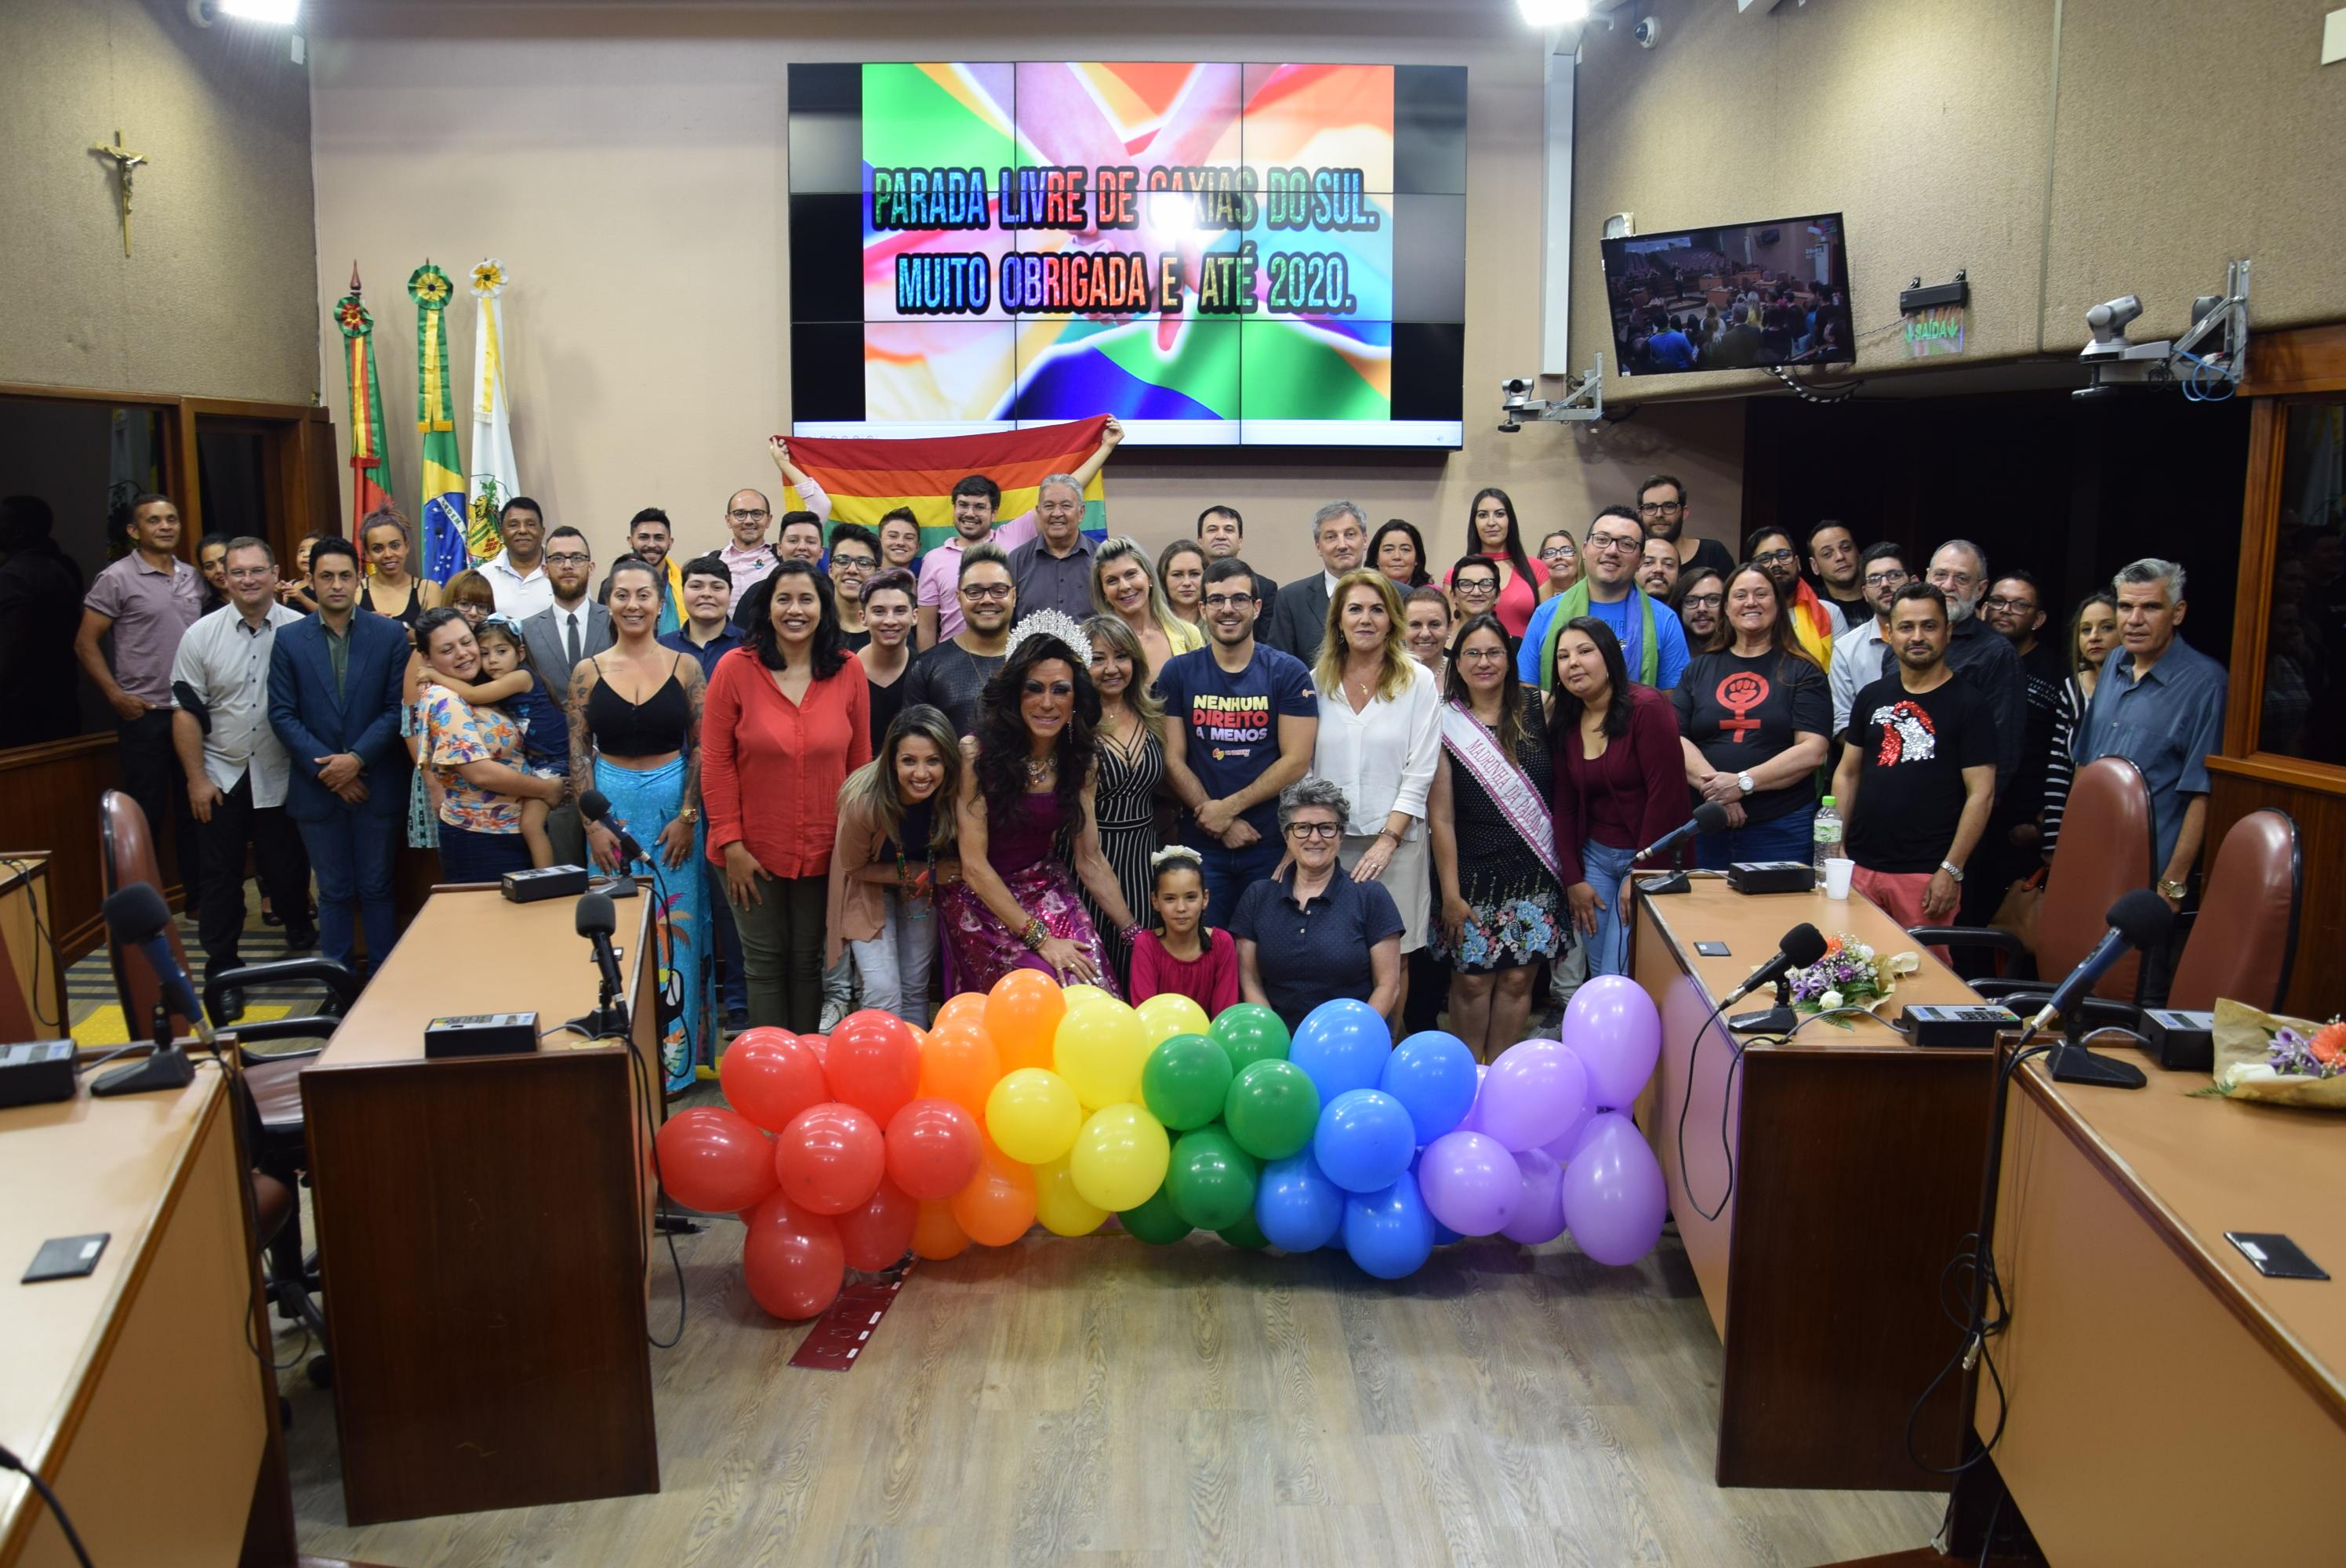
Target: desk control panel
x=1958, y=1026
x=480, y=1034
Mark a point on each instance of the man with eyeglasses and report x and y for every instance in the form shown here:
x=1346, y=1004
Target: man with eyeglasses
x=1240, y=722
x=1959, y=570
x=517, y=573
x=854, y=557
x=749, y=557
x=1833, y=561
x=1652, y=643
x=1861, y=654
x=1053, y=569
x=1664, y=511
x=1700, y=601
x=571, y=628
x=1223, y=532
x=2014, y=610
x=975, y=499
x=1297, y=623
x=236, y=766
x=1814, y=619
x=953, y=674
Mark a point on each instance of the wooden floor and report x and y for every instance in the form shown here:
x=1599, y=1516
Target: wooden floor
x=1099, y=1403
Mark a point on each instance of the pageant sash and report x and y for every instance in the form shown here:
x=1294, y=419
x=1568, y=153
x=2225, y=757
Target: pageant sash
x=1501, y=779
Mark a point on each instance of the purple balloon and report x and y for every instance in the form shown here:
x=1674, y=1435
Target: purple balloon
x=1472, y=1122
x=1613, y=1194
x=1470, y=1182
x=1559, y=1149
x=1539, y=1213
x=1533, y=1090
x=1613, y=1028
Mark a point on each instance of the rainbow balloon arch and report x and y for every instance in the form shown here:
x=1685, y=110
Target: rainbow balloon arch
x=1064, y=1106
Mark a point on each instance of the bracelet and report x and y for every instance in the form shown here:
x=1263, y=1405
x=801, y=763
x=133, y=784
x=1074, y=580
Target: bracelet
x=1128, y=933
x=1033, y=933
x=1951, y=870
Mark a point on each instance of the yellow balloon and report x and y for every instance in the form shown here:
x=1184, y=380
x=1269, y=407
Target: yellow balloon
x=1119, y=1158
x=1063, y=1210
x=1032, y=1117
x=1099, y=1050
x=1168, y=1014
x=1087, y=996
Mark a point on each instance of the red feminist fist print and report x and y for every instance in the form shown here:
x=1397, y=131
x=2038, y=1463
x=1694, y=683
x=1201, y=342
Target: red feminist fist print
x=1741, y=692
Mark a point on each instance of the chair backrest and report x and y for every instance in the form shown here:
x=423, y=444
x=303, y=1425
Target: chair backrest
x=126, y=855
x=2105, y=850
x=2246, y=934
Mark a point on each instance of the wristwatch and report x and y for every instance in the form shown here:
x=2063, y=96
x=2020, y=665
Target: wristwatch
x=1743, y=782
x=2179, y=891
x=687, y=815
x=1951, y=870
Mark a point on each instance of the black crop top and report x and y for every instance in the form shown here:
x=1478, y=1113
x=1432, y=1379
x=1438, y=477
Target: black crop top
x=648, y=728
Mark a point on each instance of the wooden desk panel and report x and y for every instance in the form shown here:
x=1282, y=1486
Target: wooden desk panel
x=2157, y=1385
x=134, y=1390
x=30, y=936
x=483, y=1223
x=1855, y=1163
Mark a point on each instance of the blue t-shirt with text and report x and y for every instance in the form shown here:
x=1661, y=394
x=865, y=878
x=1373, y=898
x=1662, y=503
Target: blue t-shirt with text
x=1232, y=720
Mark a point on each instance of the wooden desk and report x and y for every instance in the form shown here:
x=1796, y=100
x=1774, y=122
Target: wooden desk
x=2166, y=1402
x=1854, y=1161
x=483, y=1224
x=37, y=1009
x=134, y=1391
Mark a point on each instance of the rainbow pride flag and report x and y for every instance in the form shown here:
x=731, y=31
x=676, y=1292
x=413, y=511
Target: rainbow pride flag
x=867, y=476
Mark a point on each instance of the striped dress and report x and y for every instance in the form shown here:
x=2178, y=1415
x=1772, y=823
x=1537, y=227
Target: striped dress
x=1123, y=802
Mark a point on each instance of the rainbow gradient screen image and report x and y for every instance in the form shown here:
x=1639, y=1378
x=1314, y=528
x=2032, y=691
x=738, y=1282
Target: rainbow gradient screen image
x=1220, y=254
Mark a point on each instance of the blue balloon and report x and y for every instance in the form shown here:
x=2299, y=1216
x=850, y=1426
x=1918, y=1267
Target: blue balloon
x=1432, y=1074
x=1342, y=1044
x=1390, y=1234
x=1365, y=1140
x=1296, y=1207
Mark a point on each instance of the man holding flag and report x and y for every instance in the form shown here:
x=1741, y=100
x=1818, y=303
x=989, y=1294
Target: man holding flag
x=975, y=499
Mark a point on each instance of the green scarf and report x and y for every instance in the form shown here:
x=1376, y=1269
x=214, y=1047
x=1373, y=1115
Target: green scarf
x=1574, y=605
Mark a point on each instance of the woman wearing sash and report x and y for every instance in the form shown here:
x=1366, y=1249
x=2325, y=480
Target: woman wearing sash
x=1494, y=848
x=1620, y=782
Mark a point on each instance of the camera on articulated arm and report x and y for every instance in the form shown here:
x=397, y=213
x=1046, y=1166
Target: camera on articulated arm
x=1582, y=402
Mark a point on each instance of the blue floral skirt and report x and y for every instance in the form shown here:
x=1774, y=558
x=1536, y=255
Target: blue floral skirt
x=1515, y=918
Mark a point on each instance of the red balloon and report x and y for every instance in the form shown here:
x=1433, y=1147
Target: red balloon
x=934, y=1148
x=713, y=1159
x=879, y=1233
x=769, y=1075
x=793, y=1260
x=831, y=1160
x=873, y=1064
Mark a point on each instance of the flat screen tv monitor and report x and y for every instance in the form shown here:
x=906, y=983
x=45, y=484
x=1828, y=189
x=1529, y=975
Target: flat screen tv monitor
x=1219, y=254
x=1730, y=296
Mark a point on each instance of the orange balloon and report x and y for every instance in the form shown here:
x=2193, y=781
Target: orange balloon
x=998, y=1205
x=968, y=1007
x=936, y=1237
x=958, y=1063
x=1021, y=1015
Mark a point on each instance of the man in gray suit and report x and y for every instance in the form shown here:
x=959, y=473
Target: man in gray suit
x=1299, y=619
x=573, y=628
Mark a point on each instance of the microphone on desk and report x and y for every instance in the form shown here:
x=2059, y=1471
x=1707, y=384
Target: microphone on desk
x=596, y=918
x=1803, y=946
x=2140, y=920
x=1708, y=817
x=137, y=918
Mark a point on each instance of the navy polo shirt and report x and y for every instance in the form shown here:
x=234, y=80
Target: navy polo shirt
x=1307, y=956
x=705, y=654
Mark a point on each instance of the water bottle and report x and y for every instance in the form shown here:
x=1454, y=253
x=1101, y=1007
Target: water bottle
x=1828, y=837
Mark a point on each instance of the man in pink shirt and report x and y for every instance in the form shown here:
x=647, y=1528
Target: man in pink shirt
x=974, y=500
x=749, y=513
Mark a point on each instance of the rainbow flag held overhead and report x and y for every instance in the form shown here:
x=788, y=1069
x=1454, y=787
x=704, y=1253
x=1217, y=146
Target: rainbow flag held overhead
x=867, y=476
x=442, y=522
x=369, y=470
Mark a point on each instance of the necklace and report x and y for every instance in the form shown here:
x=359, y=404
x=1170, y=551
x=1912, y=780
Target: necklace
x=1037, y=772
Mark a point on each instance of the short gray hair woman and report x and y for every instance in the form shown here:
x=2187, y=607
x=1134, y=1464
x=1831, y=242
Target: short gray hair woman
x=1315, y=935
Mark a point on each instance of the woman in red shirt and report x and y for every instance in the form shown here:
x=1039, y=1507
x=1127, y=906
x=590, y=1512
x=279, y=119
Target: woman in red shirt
x=790, y=711
x=1620, y=783
x=1491, y=530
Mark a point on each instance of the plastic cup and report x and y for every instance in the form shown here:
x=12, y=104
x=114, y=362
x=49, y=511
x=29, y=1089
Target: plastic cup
x=1838, y=871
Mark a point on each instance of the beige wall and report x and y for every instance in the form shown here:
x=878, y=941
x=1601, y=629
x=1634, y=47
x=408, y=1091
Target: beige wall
x=2184, y=133
x=629, y=165
x=217, y=297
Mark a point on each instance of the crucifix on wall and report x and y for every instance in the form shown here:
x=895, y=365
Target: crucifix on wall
x=124, y=161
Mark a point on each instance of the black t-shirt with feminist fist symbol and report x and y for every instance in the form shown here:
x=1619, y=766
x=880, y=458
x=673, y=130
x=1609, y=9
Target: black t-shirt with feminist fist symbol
x=1739, y=712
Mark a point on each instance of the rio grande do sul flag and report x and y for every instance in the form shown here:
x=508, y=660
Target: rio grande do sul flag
x=495, y=475
x=443, y=521
x=869, y=476
x=369, y=471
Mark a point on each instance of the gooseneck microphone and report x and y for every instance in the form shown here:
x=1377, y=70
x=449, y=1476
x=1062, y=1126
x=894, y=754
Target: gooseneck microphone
x=1708, y=817
x=137, y=918
x=2139, y=920
x=1803, y=946
x=596, y=806
x=596, y=918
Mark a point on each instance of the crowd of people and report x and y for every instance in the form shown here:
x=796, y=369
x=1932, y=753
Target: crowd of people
x=858, y=773
x=1697, y=310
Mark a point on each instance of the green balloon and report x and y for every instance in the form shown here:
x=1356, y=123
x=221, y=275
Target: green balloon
x=1155, y=1222
x=1250, y=1032
x=1185, y=1081
x=1246, y=1235
x=1273, y=1109
x=1211, y=1179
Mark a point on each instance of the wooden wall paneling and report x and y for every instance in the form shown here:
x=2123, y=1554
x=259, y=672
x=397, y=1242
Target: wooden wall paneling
x=48, y=798
x=2317, y=802
x=2260, y=507
x=2303, y=360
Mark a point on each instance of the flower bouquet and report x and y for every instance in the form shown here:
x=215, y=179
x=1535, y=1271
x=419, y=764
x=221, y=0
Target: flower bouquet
x=2284, y=1061
x=1850, y=976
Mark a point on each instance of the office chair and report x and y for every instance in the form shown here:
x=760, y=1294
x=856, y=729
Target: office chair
x=2106, y=849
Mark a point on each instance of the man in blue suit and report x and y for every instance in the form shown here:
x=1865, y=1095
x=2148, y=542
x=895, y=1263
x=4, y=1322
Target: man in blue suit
x=334, y=683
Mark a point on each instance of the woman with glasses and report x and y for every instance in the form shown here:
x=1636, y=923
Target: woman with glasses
x=2093, y=637
x=1494, y=842
x=1561, y=556
x=1312, y=934
x=1026, y=816
x=1379, y=740
x=1397, y=550
x=1754, y=711
x=1181, y=573
x=1131, y=770
x=1473, y=585
x=1492, y=534
x=1620, y=783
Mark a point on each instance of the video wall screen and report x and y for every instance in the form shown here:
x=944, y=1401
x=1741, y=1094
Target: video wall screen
x=1219, y=254
x=1730, y=296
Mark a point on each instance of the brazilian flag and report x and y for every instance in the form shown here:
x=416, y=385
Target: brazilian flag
x=442, y=526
